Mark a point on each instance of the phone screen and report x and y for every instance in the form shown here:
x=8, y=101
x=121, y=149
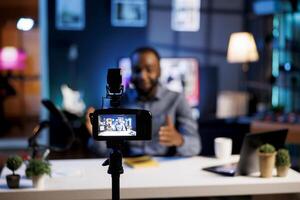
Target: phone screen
x=117, y=125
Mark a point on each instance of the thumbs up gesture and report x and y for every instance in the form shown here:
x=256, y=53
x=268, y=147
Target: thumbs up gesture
x=168, y=135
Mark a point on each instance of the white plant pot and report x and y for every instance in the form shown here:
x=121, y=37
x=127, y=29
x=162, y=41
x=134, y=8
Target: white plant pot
x=38, y=181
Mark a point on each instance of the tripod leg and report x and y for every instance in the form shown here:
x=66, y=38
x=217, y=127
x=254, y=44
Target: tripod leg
x=115, y=168
x=115, y=186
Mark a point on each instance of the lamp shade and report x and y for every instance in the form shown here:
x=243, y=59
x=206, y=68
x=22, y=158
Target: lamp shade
x=242, y=48
x=12, y=58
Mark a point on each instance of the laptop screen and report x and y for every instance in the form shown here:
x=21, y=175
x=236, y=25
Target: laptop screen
x=248, y=162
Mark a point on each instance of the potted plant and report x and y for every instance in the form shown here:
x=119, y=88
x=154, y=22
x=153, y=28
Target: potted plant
x=283, y=162
x=36, y=170
x=266, y=155
x=13, y=163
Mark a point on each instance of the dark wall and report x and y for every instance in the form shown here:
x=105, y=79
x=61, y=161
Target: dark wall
x=100, y=45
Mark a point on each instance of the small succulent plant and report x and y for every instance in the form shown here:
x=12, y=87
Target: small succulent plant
x=283, y=158
x=37, y=167
x=267, y=148
x=13, y=163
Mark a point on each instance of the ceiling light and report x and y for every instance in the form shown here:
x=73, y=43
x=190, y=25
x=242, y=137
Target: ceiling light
x=25, y=24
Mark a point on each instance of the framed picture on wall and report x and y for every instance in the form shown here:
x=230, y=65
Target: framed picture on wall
x=177, y=74
x=181, y=75
x=185, y=15
x=129, y=13
x=70, y=14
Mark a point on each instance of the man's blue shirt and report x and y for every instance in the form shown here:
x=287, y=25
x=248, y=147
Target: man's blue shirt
x=164, y=103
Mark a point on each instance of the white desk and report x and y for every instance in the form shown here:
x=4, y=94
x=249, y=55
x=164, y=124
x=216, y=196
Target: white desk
x=87, y=179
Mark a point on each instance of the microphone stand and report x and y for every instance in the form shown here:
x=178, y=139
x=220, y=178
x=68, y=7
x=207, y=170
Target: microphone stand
x=32, y=141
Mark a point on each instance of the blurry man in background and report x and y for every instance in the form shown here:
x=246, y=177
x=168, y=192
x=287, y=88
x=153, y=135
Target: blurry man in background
x=174, y=131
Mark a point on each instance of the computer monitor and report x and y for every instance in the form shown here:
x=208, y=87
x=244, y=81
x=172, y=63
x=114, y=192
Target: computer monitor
x=177, y=74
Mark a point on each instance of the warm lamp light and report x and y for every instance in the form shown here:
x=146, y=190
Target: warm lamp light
x=12, y=58
x=242, y=49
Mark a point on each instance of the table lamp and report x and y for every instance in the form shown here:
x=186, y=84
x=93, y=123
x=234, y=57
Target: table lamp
x=242, y=49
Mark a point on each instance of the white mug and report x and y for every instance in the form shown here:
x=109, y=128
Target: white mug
x=223, y=147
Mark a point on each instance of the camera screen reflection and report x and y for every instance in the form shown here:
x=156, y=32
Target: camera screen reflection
x=117, y=125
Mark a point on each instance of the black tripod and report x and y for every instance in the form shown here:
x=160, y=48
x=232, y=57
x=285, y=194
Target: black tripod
x=102, y=121
x=115, y=166
x=114, y=92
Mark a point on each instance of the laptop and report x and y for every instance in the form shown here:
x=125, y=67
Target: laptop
x=248, y=162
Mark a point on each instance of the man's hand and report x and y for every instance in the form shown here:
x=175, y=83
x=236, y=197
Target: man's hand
x=168, y=135
x=88, y=123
